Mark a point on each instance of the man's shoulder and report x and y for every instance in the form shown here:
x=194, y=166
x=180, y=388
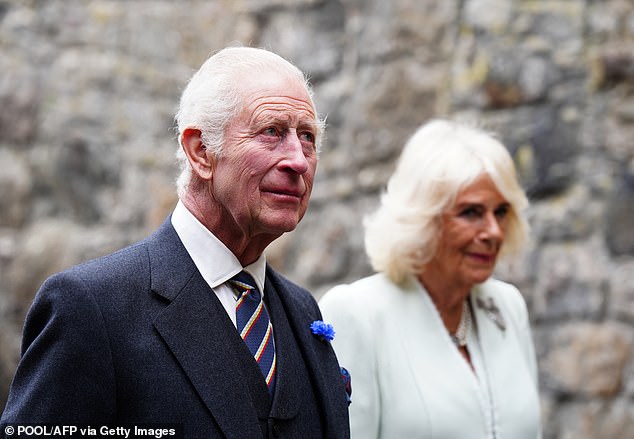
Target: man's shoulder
x=125, y=261
x=128, y=260
x=125, y=268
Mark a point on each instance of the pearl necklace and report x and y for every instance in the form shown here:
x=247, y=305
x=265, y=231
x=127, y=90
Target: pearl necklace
x=464, y=327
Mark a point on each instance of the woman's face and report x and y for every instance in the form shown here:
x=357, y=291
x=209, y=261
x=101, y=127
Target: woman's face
x=472, y=232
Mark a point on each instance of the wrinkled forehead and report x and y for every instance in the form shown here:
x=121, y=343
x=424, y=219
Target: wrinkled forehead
x=275, y=93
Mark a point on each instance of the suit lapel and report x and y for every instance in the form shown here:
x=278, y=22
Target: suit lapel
x=318, y=355
x=196, y=329
x=494, y=342
x=287, y=400
x=487, y=313
x=424, y=336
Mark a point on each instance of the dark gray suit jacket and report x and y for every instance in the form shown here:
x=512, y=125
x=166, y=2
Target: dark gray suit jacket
x=139, y=337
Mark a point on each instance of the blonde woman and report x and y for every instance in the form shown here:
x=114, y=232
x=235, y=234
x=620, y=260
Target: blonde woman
x=434, y=345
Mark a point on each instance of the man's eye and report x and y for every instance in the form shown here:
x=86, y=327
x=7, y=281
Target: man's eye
x=307, y=137
x=271, y=131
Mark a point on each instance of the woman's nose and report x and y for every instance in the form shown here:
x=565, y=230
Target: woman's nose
x=492, y=229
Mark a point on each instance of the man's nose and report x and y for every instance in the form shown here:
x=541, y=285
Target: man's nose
x=295, y=158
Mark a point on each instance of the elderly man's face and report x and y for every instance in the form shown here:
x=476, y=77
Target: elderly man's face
x=264, y=176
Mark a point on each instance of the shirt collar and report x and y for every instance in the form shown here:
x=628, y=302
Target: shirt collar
x=214, y=260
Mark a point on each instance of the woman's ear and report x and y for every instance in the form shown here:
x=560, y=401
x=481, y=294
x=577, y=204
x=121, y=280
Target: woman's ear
x=199, y=158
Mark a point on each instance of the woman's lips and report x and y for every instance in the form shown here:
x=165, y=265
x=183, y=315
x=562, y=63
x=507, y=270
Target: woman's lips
x=483, y=257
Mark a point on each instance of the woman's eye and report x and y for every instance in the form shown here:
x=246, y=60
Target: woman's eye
x=470, y=212
x=502, y=211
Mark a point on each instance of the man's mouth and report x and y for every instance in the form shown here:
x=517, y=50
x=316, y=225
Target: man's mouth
x=290, y=194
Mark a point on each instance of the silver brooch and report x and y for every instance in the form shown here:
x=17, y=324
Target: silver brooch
x=492, y=311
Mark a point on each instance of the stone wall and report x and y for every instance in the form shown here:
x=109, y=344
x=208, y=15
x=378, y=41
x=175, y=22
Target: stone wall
x=87, y=95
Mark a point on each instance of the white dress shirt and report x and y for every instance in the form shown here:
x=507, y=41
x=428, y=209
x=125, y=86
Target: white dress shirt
x=214, y=260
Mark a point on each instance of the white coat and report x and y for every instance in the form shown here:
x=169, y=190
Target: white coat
x=409, y=380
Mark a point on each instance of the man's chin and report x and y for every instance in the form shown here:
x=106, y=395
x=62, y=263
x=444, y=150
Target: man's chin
x=282, y=225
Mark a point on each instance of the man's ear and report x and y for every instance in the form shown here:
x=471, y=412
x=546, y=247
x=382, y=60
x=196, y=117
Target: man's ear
x=199, y=158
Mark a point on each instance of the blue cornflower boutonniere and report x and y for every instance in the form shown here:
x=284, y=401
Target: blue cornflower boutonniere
x=323, y=330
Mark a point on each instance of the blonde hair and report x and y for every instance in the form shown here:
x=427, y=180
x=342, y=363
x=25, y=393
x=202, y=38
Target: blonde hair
x=439, y=160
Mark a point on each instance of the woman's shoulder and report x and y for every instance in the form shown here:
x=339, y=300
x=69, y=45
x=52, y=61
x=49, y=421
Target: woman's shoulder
x=501, y=291
x=374, y=287
x=373, y=294
x=503, y=295
x=494, y=286
x=359, y=309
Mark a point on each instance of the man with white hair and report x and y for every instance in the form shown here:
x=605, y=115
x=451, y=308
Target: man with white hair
x=190, y=328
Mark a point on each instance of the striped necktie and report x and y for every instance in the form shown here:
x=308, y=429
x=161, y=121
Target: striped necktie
x=254, y=325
